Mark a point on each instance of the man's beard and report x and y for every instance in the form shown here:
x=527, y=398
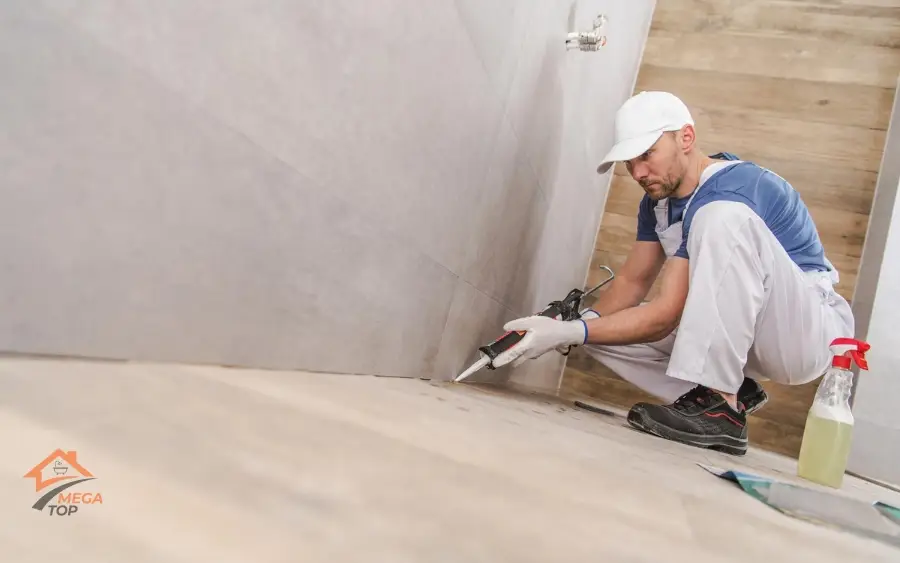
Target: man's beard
x=666, y=189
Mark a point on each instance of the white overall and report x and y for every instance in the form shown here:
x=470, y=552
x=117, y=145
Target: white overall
x=750, y=309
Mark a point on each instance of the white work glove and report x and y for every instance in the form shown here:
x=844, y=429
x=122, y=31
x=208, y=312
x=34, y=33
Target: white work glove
x=543, y=335
x=585, y=314
x=588, y=314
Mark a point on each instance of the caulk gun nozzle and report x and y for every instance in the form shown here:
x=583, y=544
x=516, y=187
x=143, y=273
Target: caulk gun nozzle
x=472, y=369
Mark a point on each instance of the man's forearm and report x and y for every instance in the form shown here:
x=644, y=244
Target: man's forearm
x=622, y=294
x=635, y=325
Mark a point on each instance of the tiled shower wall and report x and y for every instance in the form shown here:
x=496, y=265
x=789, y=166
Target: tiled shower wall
x=354, y=187
x=875, y=451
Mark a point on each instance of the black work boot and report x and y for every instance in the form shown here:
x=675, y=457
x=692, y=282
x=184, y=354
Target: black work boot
x=701, y=417
x=752, y=396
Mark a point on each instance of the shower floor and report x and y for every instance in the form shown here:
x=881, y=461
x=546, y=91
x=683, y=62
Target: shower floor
x=216, y=464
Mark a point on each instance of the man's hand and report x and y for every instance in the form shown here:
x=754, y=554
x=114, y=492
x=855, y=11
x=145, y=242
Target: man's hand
x=543, y=335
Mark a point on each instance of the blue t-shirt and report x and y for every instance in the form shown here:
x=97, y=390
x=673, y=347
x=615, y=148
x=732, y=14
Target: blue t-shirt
x=767, y=194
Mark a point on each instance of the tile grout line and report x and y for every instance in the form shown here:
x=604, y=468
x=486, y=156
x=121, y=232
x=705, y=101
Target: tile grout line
x=479, y=290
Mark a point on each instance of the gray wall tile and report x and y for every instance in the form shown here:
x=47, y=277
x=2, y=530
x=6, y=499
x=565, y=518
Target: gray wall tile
x=508, y=226
x=136, y=227
x=535, y=104
x=498, y=30
x=385, y=104
x=330, y=186
x=542, y=374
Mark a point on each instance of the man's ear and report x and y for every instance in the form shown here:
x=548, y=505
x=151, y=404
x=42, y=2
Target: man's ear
x=688, y=138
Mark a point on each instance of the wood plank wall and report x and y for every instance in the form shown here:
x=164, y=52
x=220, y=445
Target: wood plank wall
x=802, y=87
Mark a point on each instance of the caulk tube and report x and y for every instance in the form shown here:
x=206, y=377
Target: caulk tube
x=473, y=368
x=512, y=338
x=490, y=351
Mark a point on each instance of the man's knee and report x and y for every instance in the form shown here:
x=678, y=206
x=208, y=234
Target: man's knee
x=718, y=221
x=720, y=216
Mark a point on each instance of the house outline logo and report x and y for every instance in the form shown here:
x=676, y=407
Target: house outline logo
x=61, y=468
x=63, y=464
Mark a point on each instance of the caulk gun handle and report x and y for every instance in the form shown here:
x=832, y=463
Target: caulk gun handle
x=510, y=339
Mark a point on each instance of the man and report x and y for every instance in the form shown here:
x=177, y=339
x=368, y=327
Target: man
x=746, y=293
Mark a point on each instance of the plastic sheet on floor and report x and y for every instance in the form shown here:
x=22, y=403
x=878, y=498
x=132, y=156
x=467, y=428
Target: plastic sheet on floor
x=876, y=520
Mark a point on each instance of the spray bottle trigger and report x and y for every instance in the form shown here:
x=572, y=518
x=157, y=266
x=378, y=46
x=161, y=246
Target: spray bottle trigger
x=860, y=359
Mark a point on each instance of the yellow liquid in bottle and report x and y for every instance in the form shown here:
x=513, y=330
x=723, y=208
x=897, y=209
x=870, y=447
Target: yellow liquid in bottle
x=825, y=450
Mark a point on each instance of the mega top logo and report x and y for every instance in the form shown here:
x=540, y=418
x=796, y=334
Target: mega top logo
x=54, y=476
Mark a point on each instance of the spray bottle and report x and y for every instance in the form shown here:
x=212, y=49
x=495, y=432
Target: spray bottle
x=829, y=424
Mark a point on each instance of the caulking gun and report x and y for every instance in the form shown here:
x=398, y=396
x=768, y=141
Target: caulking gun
x=566, y=310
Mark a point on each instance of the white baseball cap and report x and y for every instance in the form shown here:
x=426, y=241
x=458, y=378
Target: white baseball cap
x=641, y=121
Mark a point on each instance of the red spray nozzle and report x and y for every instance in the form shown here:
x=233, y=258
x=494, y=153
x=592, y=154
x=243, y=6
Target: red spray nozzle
x=846, y=350
x=860, y=359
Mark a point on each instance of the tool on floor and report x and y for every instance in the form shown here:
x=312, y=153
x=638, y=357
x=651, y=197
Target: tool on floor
x=825, y=448
x=594, y=408
x=566, y=310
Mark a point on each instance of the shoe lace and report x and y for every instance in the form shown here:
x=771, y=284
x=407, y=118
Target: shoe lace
x=699, y=395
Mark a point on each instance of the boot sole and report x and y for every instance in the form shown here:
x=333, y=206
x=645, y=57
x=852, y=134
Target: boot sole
x=720, y=442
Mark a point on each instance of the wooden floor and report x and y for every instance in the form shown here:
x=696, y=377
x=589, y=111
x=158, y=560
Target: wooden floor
x=804, y=87
x=213, y=464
